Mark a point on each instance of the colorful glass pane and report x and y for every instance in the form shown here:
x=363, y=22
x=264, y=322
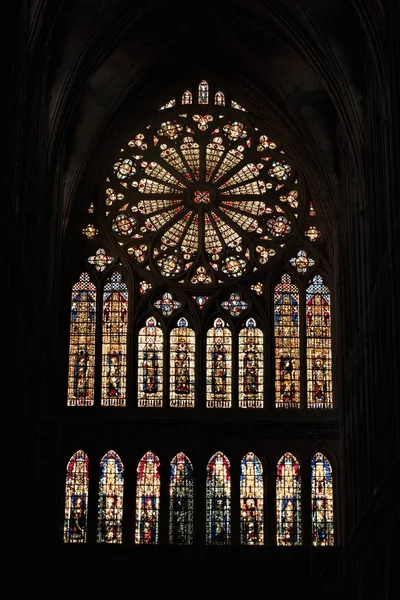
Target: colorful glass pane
x=203, y=92
x=235, y=305
x=258, y=288
x=111, y=497
x=219, y=365
x=150, y=365
x=219, y=99
x=168, y=104
x=288, y=502
x=312, y=233
x=145, y=286
x=322, y=518
x=115, y=329
x=287, y=344
x=82, y=343
x=187, y=97
x=181, y=497
x=301, y=261
x=251, y=501
x=182, y=365
x=319, y=353
x=251, y=366
x=90, y=231
x=218, y=501
x=100, y=260
x=147, y=500
x=76, y=498
x=167, y=305
x=200, y=301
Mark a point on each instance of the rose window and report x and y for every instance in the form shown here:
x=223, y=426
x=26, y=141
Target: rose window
x=202, y=191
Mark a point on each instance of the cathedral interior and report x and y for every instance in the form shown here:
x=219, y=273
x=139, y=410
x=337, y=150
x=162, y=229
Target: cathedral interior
x=205, y=237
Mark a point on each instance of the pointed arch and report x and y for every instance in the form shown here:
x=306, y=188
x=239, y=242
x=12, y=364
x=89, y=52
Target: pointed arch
x=203, y=92
x=187, y=97
x=251, y=501
x=182, y=365
x=319, y=354
x=219, y=99
x=82, y=337
x=181, y=497
x=288, y=501
x=76, y=498
x=218, y=500
x=111, y=497
x=287, y=344
x=147, y=500
x=251, y=366
x=322, y=519
x=114, y=330
x=150, y=365
x=219, y=365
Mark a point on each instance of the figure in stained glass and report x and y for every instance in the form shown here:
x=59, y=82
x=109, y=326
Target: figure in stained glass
x=111, y=489
x=147, y=500
x=150, y=364
x=76, y=498
x=181, y=501
x=218, y=500
x=251, y=501
x=322, y=501
x=288, y=498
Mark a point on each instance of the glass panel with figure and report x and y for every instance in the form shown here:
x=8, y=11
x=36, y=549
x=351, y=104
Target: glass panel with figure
x=147, y=500
x=111, y=496
x=182, y=365
x=219, y=365
x=181, y=494
x=76, y=498
x=218, y=501
x=150, y=365
x=288, y=502
x=251, y=501
x=251, y=366
x=322, y=501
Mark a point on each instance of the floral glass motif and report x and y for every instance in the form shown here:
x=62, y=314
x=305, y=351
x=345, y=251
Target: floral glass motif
x=76, y=499
x=202, y=121
x=123, y=225
x=218, y=501
x=287, y=344
x=200, y=301
x=235, y=306
x=181, y=498
x=82, y=335
x=288, y=502
x=111, y=497
x=150, y=365
x=322, y=501
x=258, y=288
x=251, y=366
x=302, y=262
x=167, y=305
x=115, y=329
x=100, y=260
x=147, y=500
x=202, y=197
x=251, y=501
x=182, y=365
x=319, y=353
x=201, y=276
x=279, y=226
x=203, y=92
x=144, y=287
x=90, y=231
x=219, y=366
x=313, y=233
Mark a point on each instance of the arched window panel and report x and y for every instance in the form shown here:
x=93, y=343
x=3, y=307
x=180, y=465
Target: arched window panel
x=187, y=97
x=114, y=329
x=150, y=365
x=219, y=99
x=147, y=500
x=287, y=344
x=218, y=501
x=111, y=497
x=319, y=353
x=181, y=493
x=219, y=365
x=76, y=498
x=251, y=501
x=82, y=343
x=251, y=366
x=288, y=502
x=322, y=501
x=203, y=92
x=182, y=365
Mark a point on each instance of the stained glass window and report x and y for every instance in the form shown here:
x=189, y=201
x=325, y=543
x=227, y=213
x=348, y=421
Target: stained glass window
x=115, y=327
x=82, y=343
x=203, y=92
x=322, y=501
x=251, y=366
x=219, y=365
x=318, y=333
x=111, y=496
x=288, y=502
x=147, y=500
x=219, y=99
x=150, y=365
x=251, y=501
x=287, y=344
x=181, y=494
x=187, y=97
x=182, y=365
x=218, y=501
x=76, y=498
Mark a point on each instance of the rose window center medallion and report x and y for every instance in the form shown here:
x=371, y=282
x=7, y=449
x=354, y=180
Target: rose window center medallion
x=202, y=197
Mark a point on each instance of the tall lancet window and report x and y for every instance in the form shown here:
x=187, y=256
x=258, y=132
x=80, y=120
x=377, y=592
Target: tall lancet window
x=319, y=357
x=182, y=365
x=218, y=501
x=147, y=500
x=115, y=326
x=150, y=365
x=111, y=497
x=181, y=500
x=251, y=501
x=219, y=99
x=203, y=92
x=82, y=343
x=288, y=502
x=251, y=366
x=287, y=344
x=187, y=97
x=76, y=498
x=219, y=365
x=322, y=501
